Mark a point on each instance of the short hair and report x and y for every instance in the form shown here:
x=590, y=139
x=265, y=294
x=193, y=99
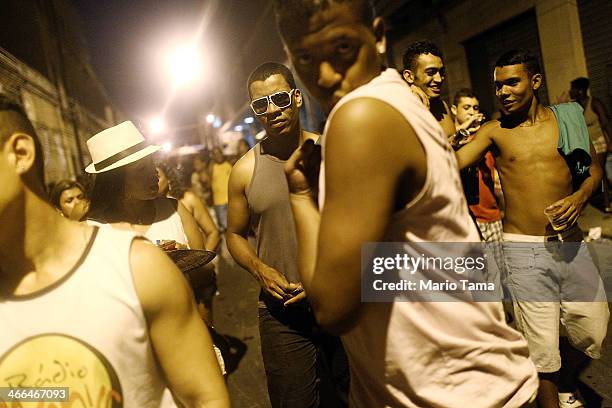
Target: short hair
x=62, y=186
x=13, y=119
x=419, y=48
x=292, y=13
x=515, y=57
x=266, y=70
x=581, y=83
x=463, y=93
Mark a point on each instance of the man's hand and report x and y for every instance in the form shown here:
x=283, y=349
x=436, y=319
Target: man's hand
x=457, y=140
x=300, y=166
x=298, y=294
x=473, y=123
x=566, y=211
x=274, y=283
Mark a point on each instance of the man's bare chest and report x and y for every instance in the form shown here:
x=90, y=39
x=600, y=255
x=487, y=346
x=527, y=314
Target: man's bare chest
x=529, y=145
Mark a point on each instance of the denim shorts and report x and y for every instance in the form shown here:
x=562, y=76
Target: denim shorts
x=555, y=286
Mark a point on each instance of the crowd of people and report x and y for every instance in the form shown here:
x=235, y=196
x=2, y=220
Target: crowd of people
x=396, y=163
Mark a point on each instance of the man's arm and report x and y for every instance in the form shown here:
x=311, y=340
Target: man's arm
x=471, y=153
x=366, y=156
x=203, y=219
x=272, y=281
x=190, y=226
x=181, y=342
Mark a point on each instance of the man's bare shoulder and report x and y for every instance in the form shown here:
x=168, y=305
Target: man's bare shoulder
x=243, y=169
x=490, y=128
x=374, y=120
x=153, y=273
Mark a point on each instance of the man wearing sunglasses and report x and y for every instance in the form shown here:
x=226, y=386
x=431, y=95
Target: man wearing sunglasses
x=259, y=198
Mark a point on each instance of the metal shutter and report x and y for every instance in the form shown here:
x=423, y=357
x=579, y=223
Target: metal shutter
x=483, y=50
x=595, y=22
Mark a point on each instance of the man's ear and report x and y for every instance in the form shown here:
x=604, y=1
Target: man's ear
x=378, y=26
x=297, y=94
x=453, y=110
x=536, y=81
x=408, y=76
x=21, y=152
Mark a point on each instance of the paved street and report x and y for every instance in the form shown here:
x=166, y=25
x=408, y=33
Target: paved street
x=235, y=316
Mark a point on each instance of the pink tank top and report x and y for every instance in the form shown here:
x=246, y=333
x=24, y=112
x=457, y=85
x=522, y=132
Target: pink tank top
x=426, y=354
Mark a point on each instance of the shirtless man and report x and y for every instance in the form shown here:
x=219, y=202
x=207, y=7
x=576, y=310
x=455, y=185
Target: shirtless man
x=535, y=177
x=388, y=175
x=100, y=303
x=259, y=199
x=424, y=68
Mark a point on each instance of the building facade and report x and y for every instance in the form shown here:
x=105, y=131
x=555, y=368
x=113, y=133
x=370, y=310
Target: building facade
x=572, y=38
x=44, y=65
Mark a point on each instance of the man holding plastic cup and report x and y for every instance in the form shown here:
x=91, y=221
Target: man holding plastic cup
x=548, y=172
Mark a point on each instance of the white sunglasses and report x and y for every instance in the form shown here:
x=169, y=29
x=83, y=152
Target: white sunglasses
x=280, y=99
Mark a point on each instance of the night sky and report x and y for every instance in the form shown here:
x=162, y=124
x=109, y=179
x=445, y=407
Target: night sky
x=126, y=39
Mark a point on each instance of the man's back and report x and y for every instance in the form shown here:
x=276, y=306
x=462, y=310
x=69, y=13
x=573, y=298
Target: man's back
x=413, y=353
x=532, y=172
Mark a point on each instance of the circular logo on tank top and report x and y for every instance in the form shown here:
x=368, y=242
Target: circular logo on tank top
x=57, y=360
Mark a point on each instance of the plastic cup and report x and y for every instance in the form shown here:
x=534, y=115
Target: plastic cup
x=557, y=226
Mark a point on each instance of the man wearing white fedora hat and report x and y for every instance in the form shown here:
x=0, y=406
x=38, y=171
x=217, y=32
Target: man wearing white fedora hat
x=101, y=303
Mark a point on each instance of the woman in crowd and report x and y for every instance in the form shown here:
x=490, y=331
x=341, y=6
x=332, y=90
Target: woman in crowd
x=69, y=198
x=171, y=185
x=125, y=192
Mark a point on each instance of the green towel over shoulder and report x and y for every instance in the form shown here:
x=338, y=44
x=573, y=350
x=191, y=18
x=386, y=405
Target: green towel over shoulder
x=574, y=143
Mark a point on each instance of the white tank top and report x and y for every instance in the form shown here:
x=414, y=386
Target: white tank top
x=168, y=224
x=425, y=354
x=86, y=332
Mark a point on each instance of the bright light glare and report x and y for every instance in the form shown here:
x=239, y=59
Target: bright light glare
x=157, y=125
x=210, y=118
x=248, y=120
x=185, y=65
x=166, y=147
x=238, y=128
x=217, y=123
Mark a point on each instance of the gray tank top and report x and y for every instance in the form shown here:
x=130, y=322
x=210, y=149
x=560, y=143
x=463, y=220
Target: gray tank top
x=271, y=216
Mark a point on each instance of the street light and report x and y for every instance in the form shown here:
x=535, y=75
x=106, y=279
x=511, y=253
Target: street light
x=166, y=147
x=185, y=65
x=157, y=125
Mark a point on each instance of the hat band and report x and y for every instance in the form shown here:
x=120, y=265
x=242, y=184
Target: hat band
x=109, y=161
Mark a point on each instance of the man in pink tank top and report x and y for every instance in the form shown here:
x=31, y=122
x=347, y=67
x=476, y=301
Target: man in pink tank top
x=388, y=174
x=42, y=253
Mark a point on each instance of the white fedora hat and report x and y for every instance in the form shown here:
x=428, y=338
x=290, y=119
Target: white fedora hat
x=116, y=147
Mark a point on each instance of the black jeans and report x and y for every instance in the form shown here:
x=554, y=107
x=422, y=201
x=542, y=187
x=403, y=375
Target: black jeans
x=305, y=367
